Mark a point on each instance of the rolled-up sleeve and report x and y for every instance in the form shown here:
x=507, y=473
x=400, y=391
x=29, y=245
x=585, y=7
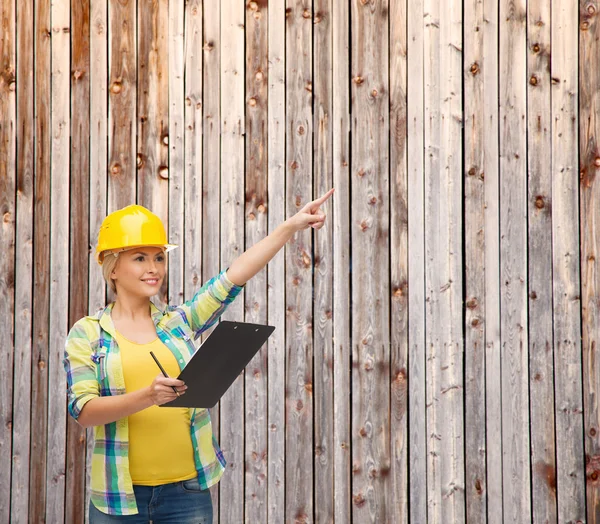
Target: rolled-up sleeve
x=82, y=383
x=209, y=303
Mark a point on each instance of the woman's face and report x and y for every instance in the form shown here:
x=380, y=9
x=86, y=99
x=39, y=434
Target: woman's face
x=140, y=271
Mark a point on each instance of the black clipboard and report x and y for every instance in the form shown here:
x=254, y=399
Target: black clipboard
x=218, y=362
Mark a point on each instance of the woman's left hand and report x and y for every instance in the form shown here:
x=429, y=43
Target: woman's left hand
x=311, y=215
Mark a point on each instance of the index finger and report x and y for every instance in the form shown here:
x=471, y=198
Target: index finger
x=322, y=199
x=170, y=381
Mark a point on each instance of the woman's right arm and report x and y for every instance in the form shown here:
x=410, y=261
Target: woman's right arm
x=104, y=410
x=84, y=401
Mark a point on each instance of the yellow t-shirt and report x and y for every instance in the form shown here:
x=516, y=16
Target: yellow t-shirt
x=160, y=444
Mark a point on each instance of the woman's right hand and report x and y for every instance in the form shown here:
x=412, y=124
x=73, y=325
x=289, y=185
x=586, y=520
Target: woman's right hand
x=161, y=390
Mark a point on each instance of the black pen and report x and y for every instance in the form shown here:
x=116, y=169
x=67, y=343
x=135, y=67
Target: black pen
x=164, y=372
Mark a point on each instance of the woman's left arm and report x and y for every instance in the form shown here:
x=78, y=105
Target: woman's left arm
x=258, y=256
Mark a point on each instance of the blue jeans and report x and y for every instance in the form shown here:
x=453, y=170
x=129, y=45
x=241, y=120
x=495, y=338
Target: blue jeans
x=182, y=502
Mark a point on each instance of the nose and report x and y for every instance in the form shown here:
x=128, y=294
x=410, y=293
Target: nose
x=152, y=266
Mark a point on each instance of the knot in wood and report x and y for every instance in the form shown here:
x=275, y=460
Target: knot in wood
x=585, y=25
x=373, y=200
x=116, y=88
x=539, y=202
x=163, y=172
x=472, y=303
x=294, y=165
x=208, y=46
x=358, y=80
x=364, y=226
x=592, y=432
x=115, y=169
x=308, y=86
x=301, y=130
x=308, y=387
x=165, y=140
x=475, y=322
x=306, y=14
x=359, y=500
x=533, y=295
x=536, y=48
x=251, y=216
x=590, y=8
x=288, y=12
x=77, y=74
x=361, y=172
x=252, y=6
x=12, y=86
x=374, y=93
x=533, y=80
x=474, y=68
x=318, y=18
x=261, y=208
x=259, y=76
x=139, y=161
x=252, y=102
x=597, y=161
x=362, y=432
x=472, y=171
x=299, y=405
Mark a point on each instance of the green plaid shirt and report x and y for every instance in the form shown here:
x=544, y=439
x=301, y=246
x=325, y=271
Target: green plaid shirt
x=93, y=366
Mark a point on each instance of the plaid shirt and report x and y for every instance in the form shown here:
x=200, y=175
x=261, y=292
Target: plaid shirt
x=93, y=365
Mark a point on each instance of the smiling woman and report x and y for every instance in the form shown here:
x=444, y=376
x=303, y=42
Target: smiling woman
x=140, y=451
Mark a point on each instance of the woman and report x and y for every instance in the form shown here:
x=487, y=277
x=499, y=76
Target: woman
x=152, y=464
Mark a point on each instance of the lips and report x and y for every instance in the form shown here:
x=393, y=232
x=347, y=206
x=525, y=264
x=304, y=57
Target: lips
x=151, y=281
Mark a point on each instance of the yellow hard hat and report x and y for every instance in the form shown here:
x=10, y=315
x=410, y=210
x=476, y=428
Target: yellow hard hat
x=130, y=227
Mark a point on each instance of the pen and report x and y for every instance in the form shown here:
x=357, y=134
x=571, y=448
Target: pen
x=164, y=372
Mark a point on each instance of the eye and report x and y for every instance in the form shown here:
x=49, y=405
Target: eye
x=139, y=259
x=160, y=258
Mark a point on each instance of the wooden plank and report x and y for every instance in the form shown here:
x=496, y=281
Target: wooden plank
x=399, y=261
x=539, y=204
x=79, y=236
x=232, y=240
x=256, y=405
x=276, y=313
x=193, y=149
x=493, y=388
x=589, y=169
x=211, y=155
x=443, y=237
x=475, y=313
x=8, y=178
x=122, y=93
x=417, y=463
x=324, y=489
x=152, y=160
x=41, y=263
x=340, y=124
x=21, y=421
x=176, y=152
x=513, y=257
x=570, y=472
x=299, y=322
x=98, y=184
x=59, y=262
x=370, y=263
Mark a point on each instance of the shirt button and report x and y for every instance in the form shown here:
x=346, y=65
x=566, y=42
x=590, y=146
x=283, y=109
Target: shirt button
x=180, y=360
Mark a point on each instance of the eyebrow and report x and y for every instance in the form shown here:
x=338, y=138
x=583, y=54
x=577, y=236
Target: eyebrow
x=146, y=254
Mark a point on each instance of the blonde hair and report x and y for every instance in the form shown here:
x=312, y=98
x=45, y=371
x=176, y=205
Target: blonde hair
x=109, y=262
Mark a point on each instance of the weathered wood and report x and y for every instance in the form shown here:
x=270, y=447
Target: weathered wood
x=399, y=263
x=570, y=475
x=513, y=261
x=539, y=205
x=299, y=471
x=474, y=224
x=211, y=156
x=232, y=240
x=176, y=152
x=255, y=218
x=276, y=313
x=41, y=263
x=98, y=173
x=324, y=490
x=370, y=263
x=492, y=263
x=23, y=305
x=340, y=124
x=443, y=237
x=78, y=236
x=417, y=457
x=589, y=171
x=122, y=103
x=152, y=160
x=193, y=201
x=8, y=179
x=59, y=262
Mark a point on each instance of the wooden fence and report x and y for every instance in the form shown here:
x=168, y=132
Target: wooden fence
x=435, y=355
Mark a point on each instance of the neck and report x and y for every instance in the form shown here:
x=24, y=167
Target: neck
x=130, y=307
